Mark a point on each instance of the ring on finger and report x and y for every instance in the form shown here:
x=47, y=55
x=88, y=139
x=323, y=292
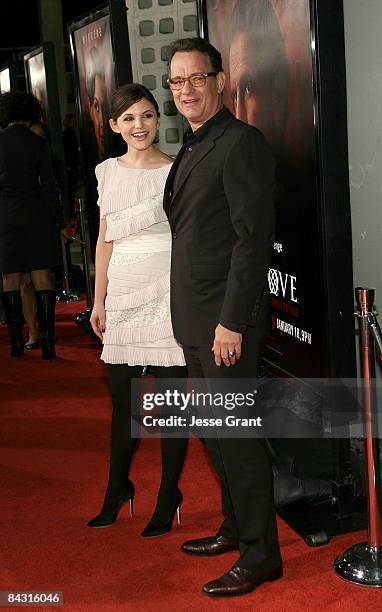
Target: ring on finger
x=231, y=353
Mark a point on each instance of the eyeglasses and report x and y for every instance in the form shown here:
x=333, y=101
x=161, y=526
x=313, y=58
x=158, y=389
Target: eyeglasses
x=196, y=80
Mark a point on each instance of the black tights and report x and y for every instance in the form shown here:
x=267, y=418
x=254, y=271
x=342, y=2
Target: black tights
x=122, y=445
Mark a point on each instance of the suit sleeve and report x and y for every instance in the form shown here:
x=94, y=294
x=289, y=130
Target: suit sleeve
x=248, y=178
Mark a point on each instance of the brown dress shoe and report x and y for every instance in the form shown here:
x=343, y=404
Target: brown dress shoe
x=239, y=581
x=209, y=547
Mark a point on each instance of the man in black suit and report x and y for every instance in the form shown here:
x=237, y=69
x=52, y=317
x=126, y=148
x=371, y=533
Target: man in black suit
x=218, y=199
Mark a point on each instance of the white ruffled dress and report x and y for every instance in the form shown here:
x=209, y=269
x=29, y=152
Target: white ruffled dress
x=138, y=321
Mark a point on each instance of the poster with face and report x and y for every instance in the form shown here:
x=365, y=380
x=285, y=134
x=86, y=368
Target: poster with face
x=267, y=56
x=95, y=70
x=41, y=80
x=36, y=75
x=95, y=73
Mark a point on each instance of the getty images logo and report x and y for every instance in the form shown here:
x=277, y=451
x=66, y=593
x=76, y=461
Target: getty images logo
x=282, y=284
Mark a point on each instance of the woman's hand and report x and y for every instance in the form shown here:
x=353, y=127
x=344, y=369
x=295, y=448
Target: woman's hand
x=98, y=320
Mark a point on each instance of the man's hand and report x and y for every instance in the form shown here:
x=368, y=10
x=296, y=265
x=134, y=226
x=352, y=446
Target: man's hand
x=226, y=342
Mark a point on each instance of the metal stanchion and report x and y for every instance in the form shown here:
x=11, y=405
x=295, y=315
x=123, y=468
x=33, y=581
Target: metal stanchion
x=66, y=295
x=362, y=563
x=83, y=318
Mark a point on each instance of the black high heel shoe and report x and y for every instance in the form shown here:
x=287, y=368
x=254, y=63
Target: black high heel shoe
x=112, y=505
x=157, y=528
x=32, y=345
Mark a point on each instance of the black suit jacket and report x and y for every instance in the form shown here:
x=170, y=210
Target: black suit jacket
x=222, y=221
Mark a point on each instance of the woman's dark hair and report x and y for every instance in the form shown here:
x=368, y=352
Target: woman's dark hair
x=17, y=106
x=196, y=44
x=127, y=95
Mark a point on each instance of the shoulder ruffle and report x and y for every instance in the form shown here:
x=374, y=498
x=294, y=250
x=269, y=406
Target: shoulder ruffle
x=100, y=171
x=147, y=185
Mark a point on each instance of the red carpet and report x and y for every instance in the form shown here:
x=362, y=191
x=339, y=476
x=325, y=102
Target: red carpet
x=54, y=438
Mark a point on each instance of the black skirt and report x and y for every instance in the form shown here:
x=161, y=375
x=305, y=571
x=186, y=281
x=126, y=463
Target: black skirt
x=29, y=239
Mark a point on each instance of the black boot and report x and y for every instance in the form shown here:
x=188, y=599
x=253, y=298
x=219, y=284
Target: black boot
x=46, y=305
x=15, y=320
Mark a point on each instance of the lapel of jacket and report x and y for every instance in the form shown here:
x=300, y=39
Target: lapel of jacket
x=204, y=147
x=169, y=186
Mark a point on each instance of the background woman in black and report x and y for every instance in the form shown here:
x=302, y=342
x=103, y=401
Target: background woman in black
x=29, y=215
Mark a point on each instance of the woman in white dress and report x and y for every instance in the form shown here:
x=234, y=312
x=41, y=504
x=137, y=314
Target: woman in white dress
x=131, y=313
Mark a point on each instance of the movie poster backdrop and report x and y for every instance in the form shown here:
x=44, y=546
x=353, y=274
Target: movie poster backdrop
x=5, y=80
x=36, y=79
x=10, y=79
x=266, y=47
x=41, y=81
x=95, y=65
x=96, y=81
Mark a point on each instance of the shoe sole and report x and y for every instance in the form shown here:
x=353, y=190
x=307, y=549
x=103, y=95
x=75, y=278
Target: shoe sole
x=271, y=578
x=157, y=535
x=205, y=554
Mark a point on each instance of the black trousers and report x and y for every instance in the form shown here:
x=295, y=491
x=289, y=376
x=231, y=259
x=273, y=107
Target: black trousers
x=243, y=467
x=122, y=445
